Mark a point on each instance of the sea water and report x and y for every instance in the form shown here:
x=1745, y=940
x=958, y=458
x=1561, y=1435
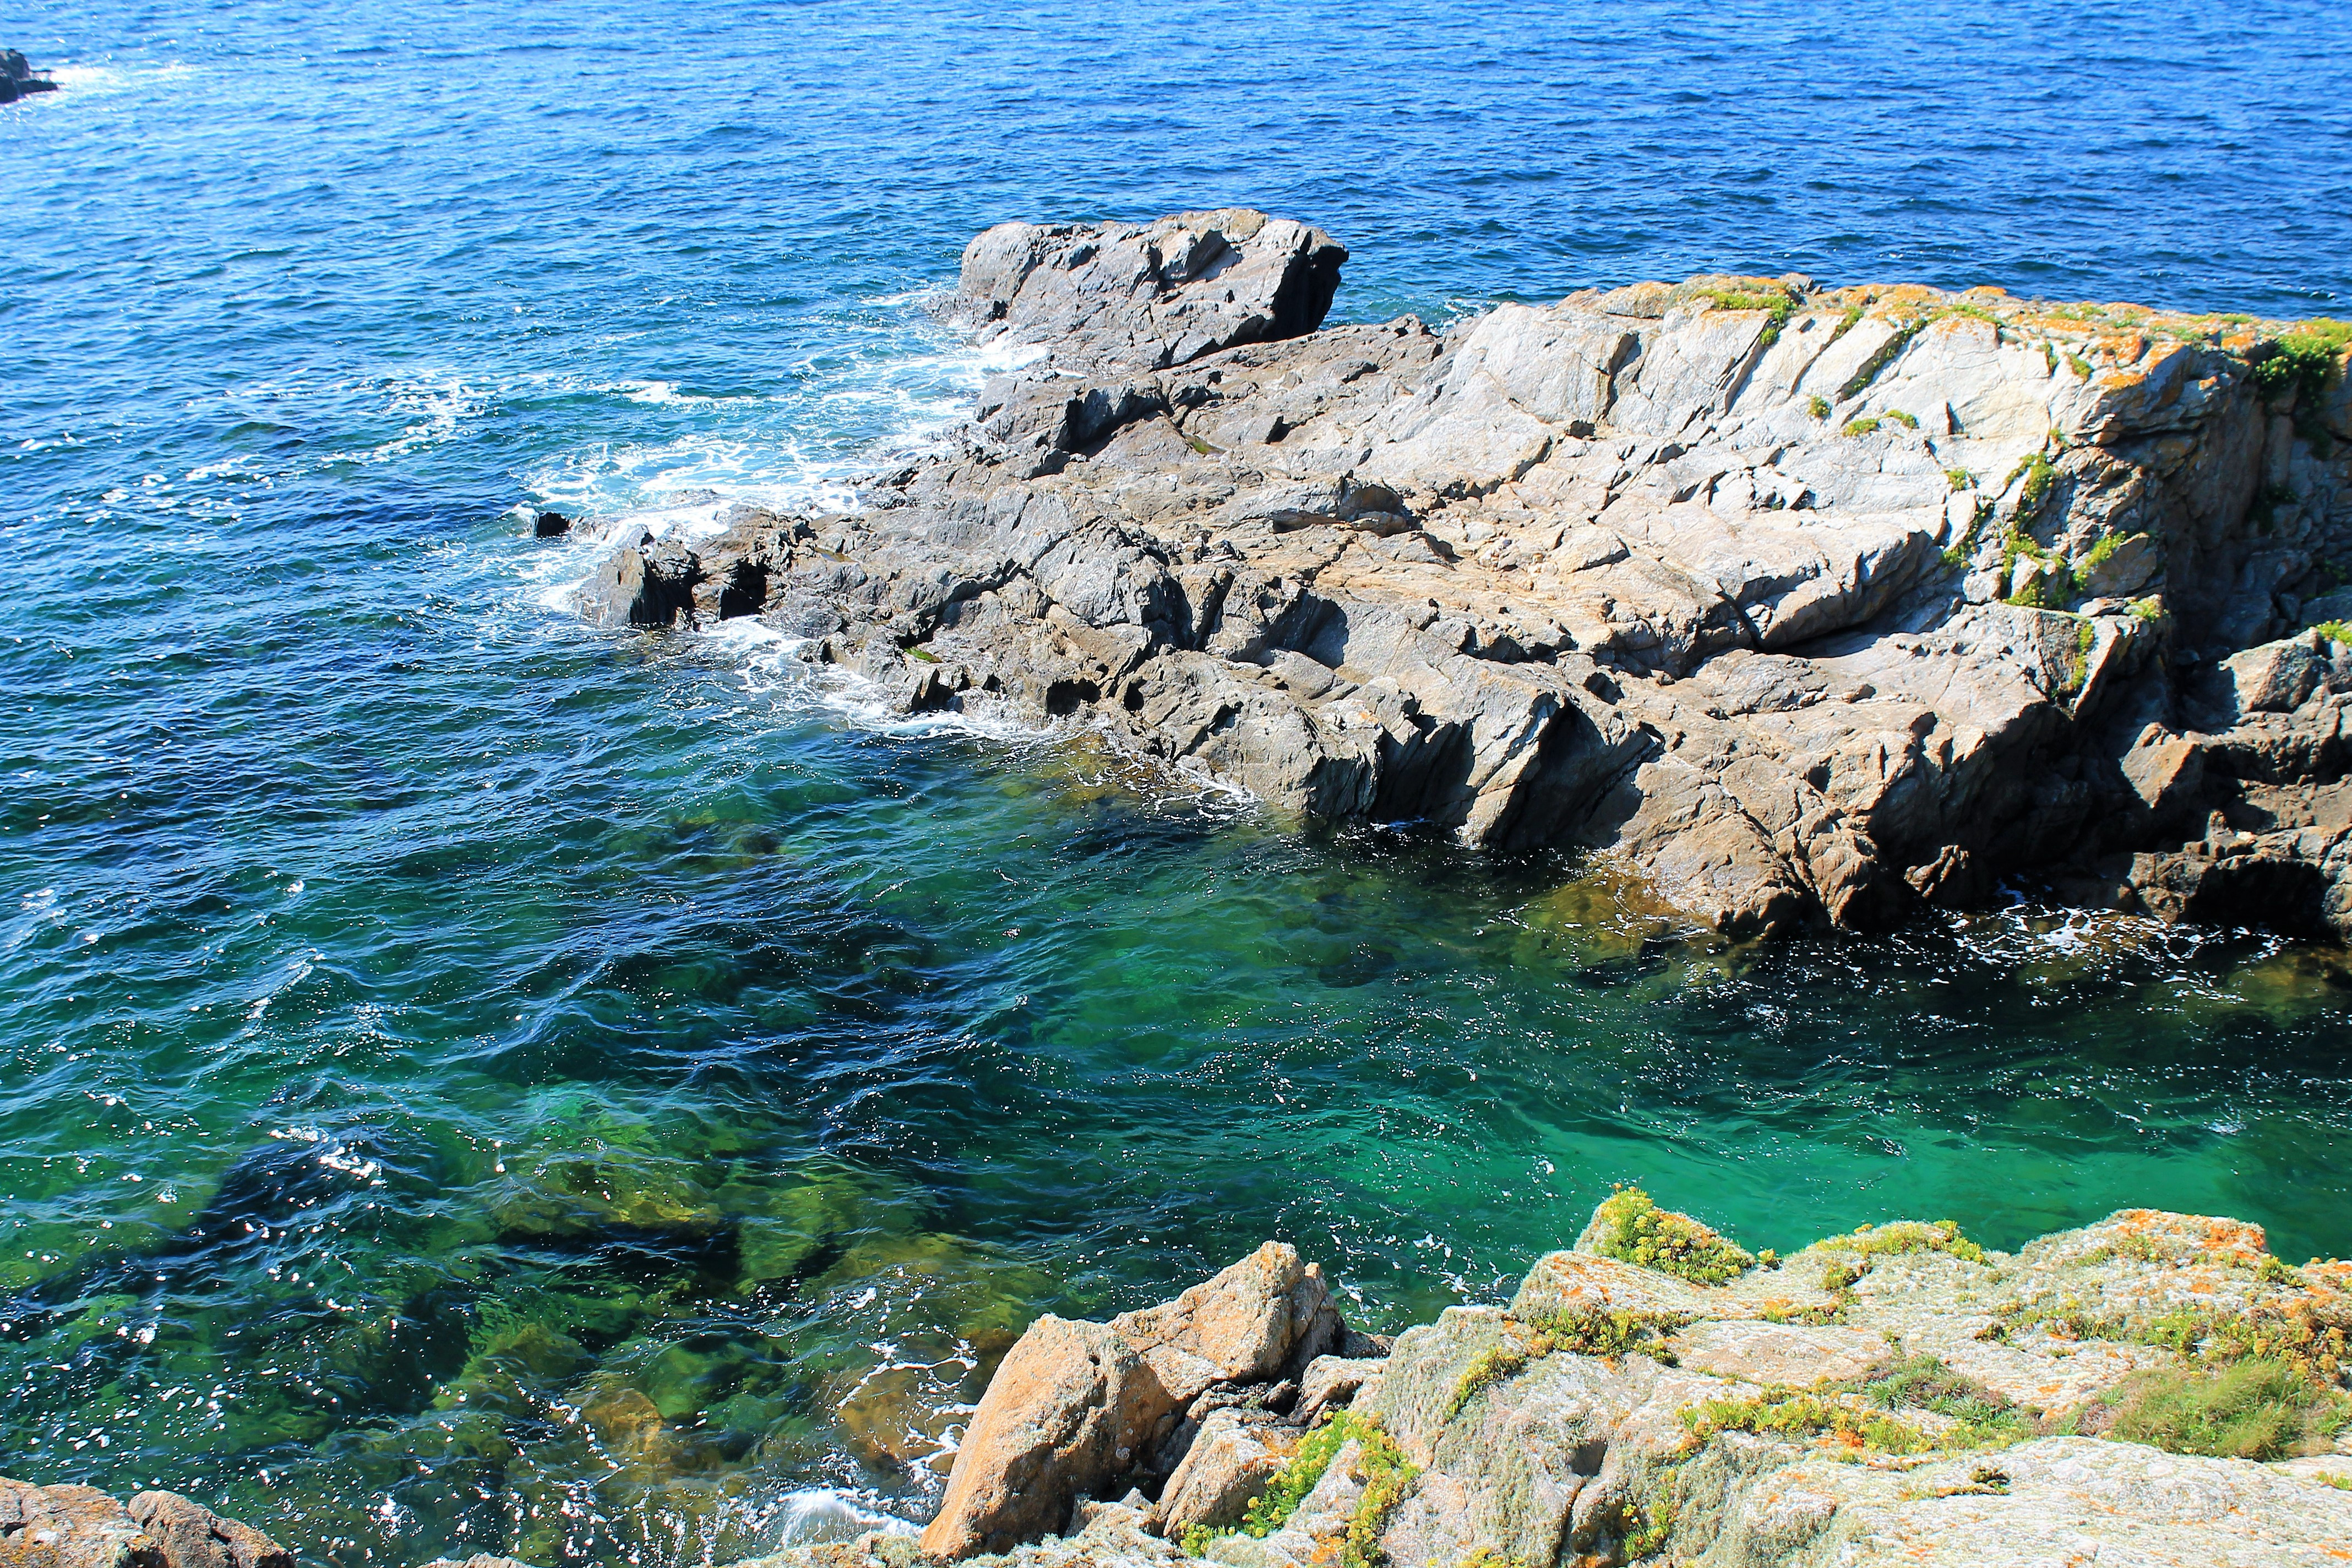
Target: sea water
x=470, y=1081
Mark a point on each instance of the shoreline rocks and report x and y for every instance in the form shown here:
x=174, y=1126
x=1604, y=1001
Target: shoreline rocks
x=1167, y=1396
x=81, y=1527
x=1820, y=606
x=1896, y=1394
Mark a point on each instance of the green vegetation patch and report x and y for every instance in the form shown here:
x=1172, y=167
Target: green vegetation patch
x=1778, y=300
x=2292, y=1334
x=1387, y=1475
x=2261, y=1408
x=2305, y=360
x=1495, y=1364
x=1926, y=1382
x=1636, y=1230
x=1784, y=1412
x=1906, y=1236
x=2338, y=631
x=1818, y=406
x=2040, y=474
x=1860, y=426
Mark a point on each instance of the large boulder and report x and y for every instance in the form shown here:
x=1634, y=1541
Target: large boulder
x=1151, y=295
x=1267, y=1316
x=1072, y=1408
x=193, y=1536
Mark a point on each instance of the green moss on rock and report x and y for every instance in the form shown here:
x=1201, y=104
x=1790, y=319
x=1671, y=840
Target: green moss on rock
x=1630, y=1227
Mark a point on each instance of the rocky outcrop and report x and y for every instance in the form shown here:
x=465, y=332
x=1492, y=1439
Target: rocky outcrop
x=81, y=1527
x=1822, y=605
x=1895, y=1396
x=1168, y=1396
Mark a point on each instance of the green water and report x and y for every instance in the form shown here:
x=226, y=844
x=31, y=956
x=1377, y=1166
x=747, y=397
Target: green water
x=684, y=1116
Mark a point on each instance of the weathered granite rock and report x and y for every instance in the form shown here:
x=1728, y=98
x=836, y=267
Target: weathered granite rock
x=1543, y=1434
x=1072, y=1406
x=1228, y=1464
x=193, y=1536
x=1147, y=297
x=1081, y=1411
x=1263, y=1319
x=81, y=1527
x=1332, y=1382
x=1713, y=575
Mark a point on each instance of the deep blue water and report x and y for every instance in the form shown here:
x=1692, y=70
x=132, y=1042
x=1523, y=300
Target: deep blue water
x=433, y=1035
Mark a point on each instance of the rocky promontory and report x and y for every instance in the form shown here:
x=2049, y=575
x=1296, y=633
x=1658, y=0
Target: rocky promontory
x=1818, y=605
x=2154, y=1389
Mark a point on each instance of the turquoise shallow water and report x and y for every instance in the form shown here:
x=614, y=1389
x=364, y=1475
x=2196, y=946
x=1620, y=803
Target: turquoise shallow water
x=471, y=1081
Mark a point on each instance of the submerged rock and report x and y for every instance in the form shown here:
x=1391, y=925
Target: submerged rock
x=1820, y=606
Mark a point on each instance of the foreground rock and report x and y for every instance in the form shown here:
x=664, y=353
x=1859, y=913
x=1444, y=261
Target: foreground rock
x=81, y=1527
x=1897, y=1395
x=1082, y=1411
x=1822, y=605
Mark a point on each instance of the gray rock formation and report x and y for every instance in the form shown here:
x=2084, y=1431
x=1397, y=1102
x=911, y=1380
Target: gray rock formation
x=1819, y=605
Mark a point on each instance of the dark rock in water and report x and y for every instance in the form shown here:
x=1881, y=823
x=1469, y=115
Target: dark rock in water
x=551, y=525
x=648, y=584
x=19, y=78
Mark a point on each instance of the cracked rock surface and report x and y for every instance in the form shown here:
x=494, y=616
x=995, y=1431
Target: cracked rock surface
x=1818, y=605
x=1520, y=1440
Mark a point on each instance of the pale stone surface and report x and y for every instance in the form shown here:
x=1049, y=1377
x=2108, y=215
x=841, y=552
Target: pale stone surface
x=81, y=1527
x=2058, y=1500
x=1266, y=1314
x=1585, y=1282
x=1331, y=1380
x=1072, y=1406
x=1780, y=1352
x=193, y=1536
x=1224, y=1471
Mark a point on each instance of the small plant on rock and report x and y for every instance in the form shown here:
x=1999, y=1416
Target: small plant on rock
x=2302, y=361
x=1387, y=1473
x=1908, y=1236
x=1635, y=1229
x=1781, y=1412
x=1860, y=426
x=2255, y=1409
x=1818, y=406
x=1926, y=1382
x=1495, y=1364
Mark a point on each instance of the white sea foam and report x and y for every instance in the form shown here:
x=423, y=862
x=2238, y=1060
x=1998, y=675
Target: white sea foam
x=814, y=1515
